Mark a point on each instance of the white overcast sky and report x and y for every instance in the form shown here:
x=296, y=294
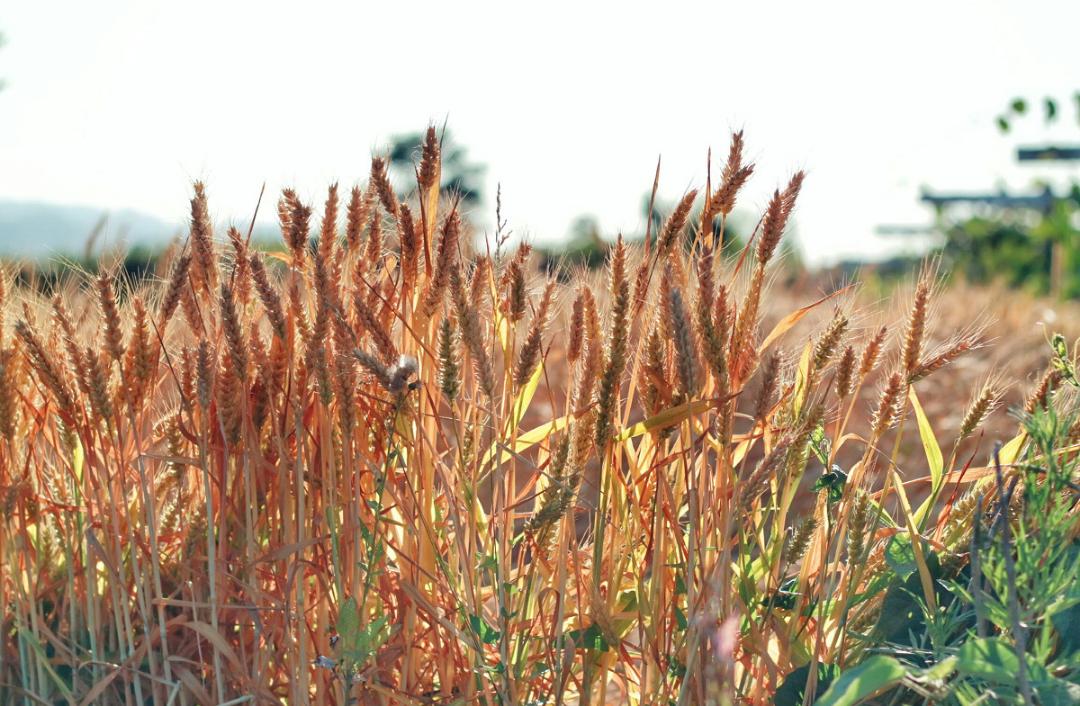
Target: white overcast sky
x=121, y=104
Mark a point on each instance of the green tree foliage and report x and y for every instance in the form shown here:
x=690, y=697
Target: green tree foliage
x=1024, y=248
x=1017, y=247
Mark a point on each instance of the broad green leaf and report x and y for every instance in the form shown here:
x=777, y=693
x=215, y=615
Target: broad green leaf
x=487, y=634
x=876, y=674
x=348, y=624
x=990, y=659
x=900, y=555
x=792, y=691
x=591, y=638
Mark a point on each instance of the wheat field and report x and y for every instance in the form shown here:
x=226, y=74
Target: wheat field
x=389, y=462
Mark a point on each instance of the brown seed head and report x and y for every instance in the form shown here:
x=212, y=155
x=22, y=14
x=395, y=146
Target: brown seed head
x=381, y=180
x=675, y=223
x=114, y=342
x=445, y=257
x=845, y=373
x=429, y=160
x=268, y=295
x=916, y=327
x=872, y=353
x=530, y=350
x=204, y=271
x=177, y=281
x=889, y=404
x=981, y=406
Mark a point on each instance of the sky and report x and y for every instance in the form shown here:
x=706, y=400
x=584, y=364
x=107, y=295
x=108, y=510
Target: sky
x=121, y=104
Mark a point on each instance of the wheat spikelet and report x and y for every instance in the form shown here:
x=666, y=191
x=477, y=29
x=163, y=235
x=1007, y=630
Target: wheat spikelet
x=856, y=527
x=685, y=351
x=204, y=270
x=328, y=232
x=872, y=352
x=445, y=258
x=712, y=339
x=754, y=484
x=140, y=362
x=555, y=498
x=734, y=176
x=429, y=160
x=618, y=333
x=675, y=223
x=981, y=406
x=888, y=404
x=845, y=373
x=379, y=370
x=268, y=295
x=916, y=327
x=592, y=356
x=776, y=217
x=190, y=307
x=75, y=357
x=204, y=375
x=356, y=216
x=410, y=247
x=229, y=403
x=471, y=335
x=655, y=393
x=178, y=279
x=480, y=283
x=530, y=350
x=371, y=324
x=516, y=297
x=577, y=328
x=381, y=180
x=296, y=234
x=234, y=337
x=829, y=341
x=44, y=364
x=770, y=377
x=263, y=377
x=1040, y=396
x=449, y=373
x=114, y=342
x=97, y=375
x=799, y=540
x=939, y=360
x=7, y=393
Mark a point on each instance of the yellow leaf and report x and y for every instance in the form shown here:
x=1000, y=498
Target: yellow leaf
x=934, y=459
x=916, y=544
x=785, y=324
x=666, y=418
x=801, y=376
x=1011, y=451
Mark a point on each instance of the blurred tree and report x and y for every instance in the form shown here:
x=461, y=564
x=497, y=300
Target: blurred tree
x=1037, y=248
x=460, y=175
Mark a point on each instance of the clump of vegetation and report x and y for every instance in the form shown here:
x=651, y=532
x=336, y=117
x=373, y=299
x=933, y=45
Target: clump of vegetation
x=380, y=466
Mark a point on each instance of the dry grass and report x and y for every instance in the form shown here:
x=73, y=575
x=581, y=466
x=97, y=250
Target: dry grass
x=382, y=468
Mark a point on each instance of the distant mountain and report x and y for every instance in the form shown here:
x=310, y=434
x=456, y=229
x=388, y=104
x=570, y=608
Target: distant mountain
x=30, y=229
